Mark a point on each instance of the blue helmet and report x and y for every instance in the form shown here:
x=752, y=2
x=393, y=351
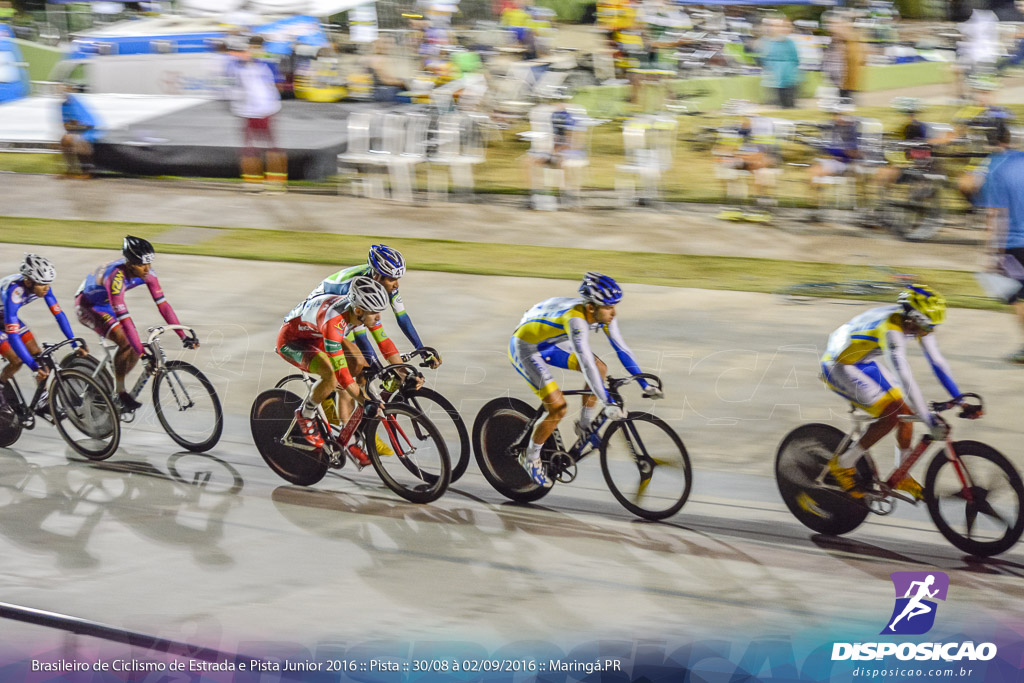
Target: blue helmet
x=600, y=289
x=385, y=261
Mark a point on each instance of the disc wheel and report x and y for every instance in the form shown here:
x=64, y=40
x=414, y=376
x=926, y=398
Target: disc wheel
x=10, y=425
x=449, y=423
x=989, y=520
x=646, y=466
x=187, y=406
x=801, y=457
x=496, y=430
x=89, y=365
x=271, y=413
x=408, y=452
x=84, y=414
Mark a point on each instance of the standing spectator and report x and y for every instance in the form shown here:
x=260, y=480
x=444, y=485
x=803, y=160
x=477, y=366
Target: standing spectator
x=255, y=101
x=79, y=135
x=1003, y=194
x=781, y=63
x=844, y=58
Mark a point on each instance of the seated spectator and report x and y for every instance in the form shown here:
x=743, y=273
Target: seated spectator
x=746, y=143
x=556, y=138
x=841, y=142
x=911, y=130
x=79, y=135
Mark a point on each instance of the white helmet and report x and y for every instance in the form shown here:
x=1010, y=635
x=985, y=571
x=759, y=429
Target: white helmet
x=38, y=269
x=367, y=294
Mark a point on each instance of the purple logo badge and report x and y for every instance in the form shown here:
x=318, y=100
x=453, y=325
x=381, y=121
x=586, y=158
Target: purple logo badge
x=916, y=593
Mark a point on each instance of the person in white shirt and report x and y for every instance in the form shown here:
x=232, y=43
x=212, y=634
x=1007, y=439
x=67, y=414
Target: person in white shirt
x=255, y=100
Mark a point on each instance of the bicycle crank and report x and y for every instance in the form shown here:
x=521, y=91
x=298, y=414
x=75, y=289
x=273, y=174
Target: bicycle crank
x=563, y=467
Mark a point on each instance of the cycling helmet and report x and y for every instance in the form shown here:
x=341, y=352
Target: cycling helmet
x=600, y=289
x=386, y=261
x=137, y=251
x=923, y=306
x=367, y=294
x=38, y=269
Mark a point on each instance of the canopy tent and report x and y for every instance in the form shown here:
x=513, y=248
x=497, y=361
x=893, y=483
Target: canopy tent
x=760, y=3
x=315, y=8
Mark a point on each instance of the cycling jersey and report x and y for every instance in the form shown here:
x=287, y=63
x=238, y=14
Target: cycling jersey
x=100, y=304
x=319, y=324
x=339, y=284
x=553, y=322
x=850, y=362
x=13, y=295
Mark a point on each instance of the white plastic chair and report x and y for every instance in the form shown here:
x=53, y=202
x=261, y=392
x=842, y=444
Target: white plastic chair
x=459, y=147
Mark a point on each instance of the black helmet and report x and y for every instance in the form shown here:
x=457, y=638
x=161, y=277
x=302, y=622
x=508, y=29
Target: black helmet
x=137, y=251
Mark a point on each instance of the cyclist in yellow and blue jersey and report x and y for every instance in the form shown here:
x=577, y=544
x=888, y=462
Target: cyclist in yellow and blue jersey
x=386, y=266
x=851, y=368
x=537, y=343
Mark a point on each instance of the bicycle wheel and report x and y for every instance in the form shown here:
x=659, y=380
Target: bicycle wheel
x=496, y=430
x=89, y=364
x=801, y=457
x=446, y=418
x=923, y=216
x=408, y=453
x=84, y=414
x=285, y=381
x=206, y=473
x=271, y=413
x=991, y=522
x=187, y=406
x=646, y=466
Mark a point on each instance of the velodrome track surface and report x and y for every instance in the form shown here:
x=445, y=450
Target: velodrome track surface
x=134, y=542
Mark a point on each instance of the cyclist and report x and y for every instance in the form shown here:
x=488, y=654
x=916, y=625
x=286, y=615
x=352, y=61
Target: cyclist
x=100, y=305
x=536, y=344
x=17, y=345
x=386, y=266
x=851, y=368
x=316, y=337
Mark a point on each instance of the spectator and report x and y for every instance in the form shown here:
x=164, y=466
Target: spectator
x=79, y=135
x=781, y=63
x=556, y=139
x=1003, y=195
x=255, y=101
x=386, y=85
x=844, y=58
x=841, y=142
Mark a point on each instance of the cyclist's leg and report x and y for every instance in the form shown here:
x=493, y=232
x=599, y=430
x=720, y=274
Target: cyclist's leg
x=125, y=359
x=529, y=363
x=13, y=361
x=560, y=358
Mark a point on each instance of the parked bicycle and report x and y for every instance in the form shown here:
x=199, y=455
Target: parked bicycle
x=432, y=404
x=912, y=208
x=632, y=450
x=972, y=492
x=184, y=399
x=75, y=404
x=415, y=463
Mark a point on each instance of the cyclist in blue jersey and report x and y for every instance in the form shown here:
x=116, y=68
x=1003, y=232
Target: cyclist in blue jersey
x=17, y=345
x=386, y=266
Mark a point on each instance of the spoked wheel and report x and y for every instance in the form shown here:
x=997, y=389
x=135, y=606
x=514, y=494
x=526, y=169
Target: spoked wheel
x=446, y=418
x=84, y=414
x=10, y=425
x=801, y=457
x=272, y=412
x=187, y=406
x=408, y=453
x=990, y=522
x=646, y=466
x=498, y=427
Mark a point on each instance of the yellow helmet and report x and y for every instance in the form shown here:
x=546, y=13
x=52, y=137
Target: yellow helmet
x=923, y=306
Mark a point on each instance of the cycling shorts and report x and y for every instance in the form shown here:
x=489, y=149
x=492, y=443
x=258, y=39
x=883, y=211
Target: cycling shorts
x=100, y=319
x=300, y=352
x=5, y=345
x=869, y=386
x=532, y=361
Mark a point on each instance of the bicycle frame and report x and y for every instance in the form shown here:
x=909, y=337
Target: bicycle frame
x=26, y=411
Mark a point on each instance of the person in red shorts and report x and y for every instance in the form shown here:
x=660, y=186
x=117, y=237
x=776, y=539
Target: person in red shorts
x=318, y=337
x=256, y=100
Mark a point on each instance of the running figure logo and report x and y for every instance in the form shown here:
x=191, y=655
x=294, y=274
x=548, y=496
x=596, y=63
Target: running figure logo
x=914, y=612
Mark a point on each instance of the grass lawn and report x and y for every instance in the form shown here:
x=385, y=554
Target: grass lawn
x=675, y=270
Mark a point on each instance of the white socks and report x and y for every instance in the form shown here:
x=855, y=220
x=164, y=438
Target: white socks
x=587, y=415
x=533, y=451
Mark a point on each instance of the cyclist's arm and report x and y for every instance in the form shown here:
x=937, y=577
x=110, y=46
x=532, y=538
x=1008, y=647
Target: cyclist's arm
x=895, y=349
x=62, y=320
x=365, y=347
x=578, y=334
x=939, y=365
x=384, y=343
x=334, y=346
x=162, y=304
x=624, y=353
x=12, y=326
x=114, y=283
x=404, y=321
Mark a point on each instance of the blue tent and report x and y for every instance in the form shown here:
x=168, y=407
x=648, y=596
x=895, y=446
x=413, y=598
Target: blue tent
x=13, y=77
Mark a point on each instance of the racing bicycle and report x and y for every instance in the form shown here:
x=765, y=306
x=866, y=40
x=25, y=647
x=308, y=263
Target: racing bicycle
x=438, y=409
x=413, y=461
x=185, y=401
x=74, y=403
x=972, y=492
x=643, y=460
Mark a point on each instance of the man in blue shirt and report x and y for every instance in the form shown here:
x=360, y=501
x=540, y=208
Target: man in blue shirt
x=1003, y=194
